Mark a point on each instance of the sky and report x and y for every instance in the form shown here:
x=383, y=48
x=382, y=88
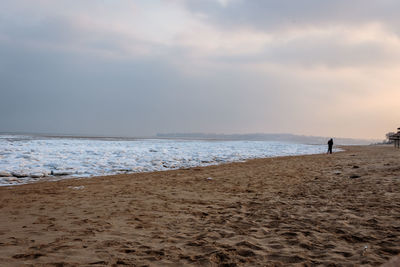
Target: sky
x=141, y=67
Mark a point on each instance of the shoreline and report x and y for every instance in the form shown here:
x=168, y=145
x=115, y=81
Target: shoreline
x=282, y=210
x=53, y=178
x=29, y=175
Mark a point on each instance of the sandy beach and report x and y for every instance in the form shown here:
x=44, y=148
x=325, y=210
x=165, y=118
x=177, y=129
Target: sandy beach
x=340, y=210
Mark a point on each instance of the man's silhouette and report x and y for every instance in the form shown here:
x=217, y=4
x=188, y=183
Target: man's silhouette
x=330, y=145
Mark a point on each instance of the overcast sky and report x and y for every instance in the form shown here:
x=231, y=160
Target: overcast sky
x=141, y=67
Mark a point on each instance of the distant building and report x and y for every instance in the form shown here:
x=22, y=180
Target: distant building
x=396, y=138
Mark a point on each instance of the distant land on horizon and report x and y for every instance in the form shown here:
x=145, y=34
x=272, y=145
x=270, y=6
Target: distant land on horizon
x=282, y=137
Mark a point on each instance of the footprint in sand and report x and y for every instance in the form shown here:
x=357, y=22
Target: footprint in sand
x=28, y=256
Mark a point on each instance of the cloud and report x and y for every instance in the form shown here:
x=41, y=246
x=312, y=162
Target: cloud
x=224, y=3
x=137, y=68
x=276, y=15
x=156, y=30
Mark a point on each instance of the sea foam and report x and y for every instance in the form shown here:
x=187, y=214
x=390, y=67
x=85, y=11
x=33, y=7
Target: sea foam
x=26, y=159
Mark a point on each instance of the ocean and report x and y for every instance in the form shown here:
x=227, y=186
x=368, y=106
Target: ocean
x=25, y=159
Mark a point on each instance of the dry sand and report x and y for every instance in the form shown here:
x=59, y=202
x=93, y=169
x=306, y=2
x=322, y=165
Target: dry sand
x=303, y=210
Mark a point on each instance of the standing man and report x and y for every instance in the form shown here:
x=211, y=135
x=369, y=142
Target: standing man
x=330, y=145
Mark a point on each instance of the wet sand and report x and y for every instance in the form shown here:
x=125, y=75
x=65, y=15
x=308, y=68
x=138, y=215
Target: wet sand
x=340, y=209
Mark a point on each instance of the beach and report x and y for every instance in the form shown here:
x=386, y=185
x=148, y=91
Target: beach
x=339, y=209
